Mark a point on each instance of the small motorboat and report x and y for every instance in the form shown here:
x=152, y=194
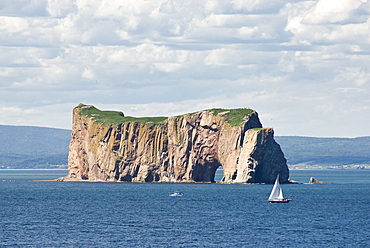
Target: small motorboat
x=176, y=193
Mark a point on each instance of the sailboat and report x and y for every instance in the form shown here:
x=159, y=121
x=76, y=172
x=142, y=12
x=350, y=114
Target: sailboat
x=276, y=195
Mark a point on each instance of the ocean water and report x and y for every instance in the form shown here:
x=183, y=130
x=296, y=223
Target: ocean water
x=81, y=214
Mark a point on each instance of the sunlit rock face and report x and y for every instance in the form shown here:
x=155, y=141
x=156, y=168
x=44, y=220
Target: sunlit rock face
x=106, y=146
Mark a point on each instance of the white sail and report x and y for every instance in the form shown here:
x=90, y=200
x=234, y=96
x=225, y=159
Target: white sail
x=277, y=192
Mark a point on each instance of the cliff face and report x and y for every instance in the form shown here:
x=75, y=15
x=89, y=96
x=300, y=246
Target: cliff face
x=186, y=148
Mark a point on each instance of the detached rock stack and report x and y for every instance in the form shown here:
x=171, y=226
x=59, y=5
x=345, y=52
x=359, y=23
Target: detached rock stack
x=315, y=181
x=107, y=146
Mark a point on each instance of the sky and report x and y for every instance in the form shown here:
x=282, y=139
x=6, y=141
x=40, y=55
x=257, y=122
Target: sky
x=304, y=66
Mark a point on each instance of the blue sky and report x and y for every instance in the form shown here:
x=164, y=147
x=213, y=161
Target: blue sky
x=304, y=66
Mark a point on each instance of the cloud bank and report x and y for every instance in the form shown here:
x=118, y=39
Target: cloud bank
x=303, y=65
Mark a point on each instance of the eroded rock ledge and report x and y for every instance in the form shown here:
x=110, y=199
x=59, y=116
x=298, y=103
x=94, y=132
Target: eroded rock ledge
x=108, y=146
x=315, y=181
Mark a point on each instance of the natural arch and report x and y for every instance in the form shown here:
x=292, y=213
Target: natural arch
x=205, y=172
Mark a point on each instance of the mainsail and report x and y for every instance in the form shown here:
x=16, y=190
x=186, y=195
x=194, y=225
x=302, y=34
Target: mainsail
x=277, y=192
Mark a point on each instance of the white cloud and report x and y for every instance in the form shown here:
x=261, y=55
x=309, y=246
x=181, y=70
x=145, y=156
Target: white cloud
x=329, y=22
x=13, y=24
x=356, y=76
x=247, y=32
x=332, y=12
x=346, y=90
x=170, y=57
x=23, y=8
x=60, y=8
x=88, y=74
x=16, y=116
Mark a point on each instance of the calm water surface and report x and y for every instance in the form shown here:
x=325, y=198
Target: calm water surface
x=80, y=214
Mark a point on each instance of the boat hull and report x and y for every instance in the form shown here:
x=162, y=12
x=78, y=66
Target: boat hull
x=280, y=201
x=176, y=194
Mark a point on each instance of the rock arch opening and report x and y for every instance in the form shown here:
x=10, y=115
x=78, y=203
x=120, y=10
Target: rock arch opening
x=219, y=174
x=205, y=172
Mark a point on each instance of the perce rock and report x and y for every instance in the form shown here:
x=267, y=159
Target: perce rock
x=107, y=146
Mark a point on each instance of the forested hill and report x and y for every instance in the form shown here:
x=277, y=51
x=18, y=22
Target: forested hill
x=311, y=153
x=33, y=147
x=40, y=147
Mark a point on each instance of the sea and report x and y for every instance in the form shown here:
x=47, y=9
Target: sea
x=36, y=212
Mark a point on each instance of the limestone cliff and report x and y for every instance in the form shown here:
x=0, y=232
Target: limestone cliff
x=108, y=146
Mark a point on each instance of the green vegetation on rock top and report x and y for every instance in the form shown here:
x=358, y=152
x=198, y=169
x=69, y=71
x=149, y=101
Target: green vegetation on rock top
x=234, y=117
x=257, y=128
x=115, y=117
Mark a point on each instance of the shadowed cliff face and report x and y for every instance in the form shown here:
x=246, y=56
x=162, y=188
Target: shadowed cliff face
x=186, y=148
